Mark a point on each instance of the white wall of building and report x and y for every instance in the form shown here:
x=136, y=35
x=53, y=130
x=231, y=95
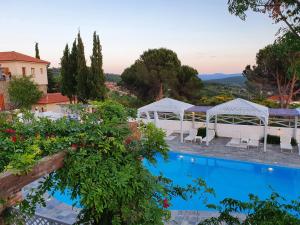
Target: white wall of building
x=40, y=70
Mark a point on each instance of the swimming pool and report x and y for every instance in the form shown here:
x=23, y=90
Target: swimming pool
x=229, y=178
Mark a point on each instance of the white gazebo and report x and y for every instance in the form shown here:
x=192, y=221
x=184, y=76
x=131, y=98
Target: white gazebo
x=166, y=105
x=240, y=107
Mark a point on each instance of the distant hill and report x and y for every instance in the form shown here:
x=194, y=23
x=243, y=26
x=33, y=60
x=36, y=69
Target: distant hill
x=216, y=76
x=231, y=81
x=111, y=77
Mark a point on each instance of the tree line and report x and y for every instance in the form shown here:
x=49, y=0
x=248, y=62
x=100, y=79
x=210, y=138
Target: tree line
x=78, y=81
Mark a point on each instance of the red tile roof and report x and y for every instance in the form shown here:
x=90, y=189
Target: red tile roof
x=53, y=98
x=16, y=56
x=277, y=97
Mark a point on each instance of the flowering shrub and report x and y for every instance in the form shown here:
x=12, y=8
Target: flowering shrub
x=103, y=165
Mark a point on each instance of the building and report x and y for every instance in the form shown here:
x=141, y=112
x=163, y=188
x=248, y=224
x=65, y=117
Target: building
x=52, y=102
x=14, y=64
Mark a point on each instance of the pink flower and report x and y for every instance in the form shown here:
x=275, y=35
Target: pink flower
x=166, y=203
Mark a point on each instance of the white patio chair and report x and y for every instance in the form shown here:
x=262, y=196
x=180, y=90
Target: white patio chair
x=209, y=136
x=191, y=136
x=253, y=142
x=285, y=143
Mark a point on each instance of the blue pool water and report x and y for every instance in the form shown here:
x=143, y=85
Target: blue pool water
x=229, y=178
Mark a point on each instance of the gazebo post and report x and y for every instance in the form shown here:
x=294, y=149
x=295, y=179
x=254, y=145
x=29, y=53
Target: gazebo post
x=265, y=136
x=295, y=127
x=216, y=121
x=207, y=123
x=181, y=127
x=155, y=118
x=148, y=116
x=193, y=119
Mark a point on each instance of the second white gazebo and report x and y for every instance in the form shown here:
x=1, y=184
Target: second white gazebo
x=240, y=107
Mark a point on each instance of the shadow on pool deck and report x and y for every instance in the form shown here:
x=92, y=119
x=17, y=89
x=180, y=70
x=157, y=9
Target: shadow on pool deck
x=218, y=148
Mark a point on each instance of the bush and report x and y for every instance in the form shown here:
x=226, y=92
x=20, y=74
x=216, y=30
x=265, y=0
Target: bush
x=275, y=140
x=202, y=132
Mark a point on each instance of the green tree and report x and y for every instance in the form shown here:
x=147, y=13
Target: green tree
x=66, y=85
x=96, y=77
x=23, y=92
x=153, y=75
x=274, y=210
x=82, y=72
x=53, y=82
x=73, y=71
x=37, y=52
x=278, y=69
x=286, y=11
x=189, y=85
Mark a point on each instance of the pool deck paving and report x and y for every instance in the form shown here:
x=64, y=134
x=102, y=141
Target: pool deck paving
x=60, y=211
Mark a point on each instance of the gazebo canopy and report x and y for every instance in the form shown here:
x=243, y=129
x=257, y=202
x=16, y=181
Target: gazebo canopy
x=240, y=107
x=165, y=105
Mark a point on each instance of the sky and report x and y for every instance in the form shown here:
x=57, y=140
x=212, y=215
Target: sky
x=202, y=32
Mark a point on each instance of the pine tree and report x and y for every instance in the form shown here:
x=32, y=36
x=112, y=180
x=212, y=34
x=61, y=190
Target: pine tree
x=65, y=74
x=82, y=72
x=73, y=70
x=37, y=52
x=96, y=77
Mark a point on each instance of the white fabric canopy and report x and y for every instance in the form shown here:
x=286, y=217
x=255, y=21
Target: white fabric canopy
x=240, y=107
x=166, y=105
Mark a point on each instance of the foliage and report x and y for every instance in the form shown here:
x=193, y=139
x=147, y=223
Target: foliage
x=96, y=79
x=103, y=164
x=23, y=92
x=69, y=72
x=275, y=210
x=53, y=81
x=188, y=84
x=37, y=52
x=158, y=73
x=110, y=77
x=286, y=11
x=266, y=102
x=202, y=132
x=278, y=69
x=82, y=73
x=215, y=100
x=275, y=140
x=126, y=100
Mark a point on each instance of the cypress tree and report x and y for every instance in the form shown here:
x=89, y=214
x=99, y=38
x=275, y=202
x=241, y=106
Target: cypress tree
x=96, y=77
x=37, y=52
x=73, y=70
x=65, y=74
x=82, y=72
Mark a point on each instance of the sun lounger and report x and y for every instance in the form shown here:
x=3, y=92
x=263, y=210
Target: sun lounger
x=191, y=136
x=253, y=143
x=209, y=136
x=285, y=143
x=236, y=142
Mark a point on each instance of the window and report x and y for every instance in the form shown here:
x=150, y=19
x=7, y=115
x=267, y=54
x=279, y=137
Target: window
x=32, y=72
x=41, y=69
x=24, y=71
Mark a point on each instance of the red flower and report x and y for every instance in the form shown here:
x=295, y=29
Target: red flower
x=74, y=146
x=13, y=138
x=128, y=140
x=166, y=203
x=10, y=131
